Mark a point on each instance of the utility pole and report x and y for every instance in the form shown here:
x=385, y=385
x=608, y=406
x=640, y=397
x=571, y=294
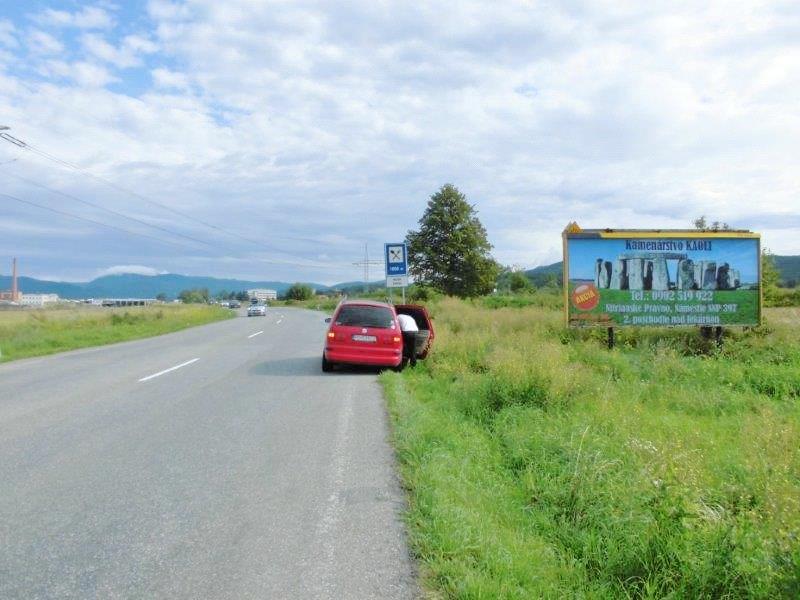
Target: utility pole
x=366, y=263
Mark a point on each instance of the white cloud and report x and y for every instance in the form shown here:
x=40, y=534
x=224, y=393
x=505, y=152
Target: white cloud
x=8, y=34
x=165, y=78
x=290, y=122
x=130, y=269
x=85, y=74
x=41, y=42
x=127, y=54
x=89, y=17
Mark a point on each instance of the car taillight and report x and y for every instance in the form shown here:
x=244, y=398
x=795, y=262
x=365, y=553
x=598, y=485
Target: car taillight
x=331, y=335
x=396, y=339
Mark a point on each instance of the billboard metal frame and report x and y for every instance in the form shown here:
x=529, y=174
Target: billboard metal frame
x=573, y=231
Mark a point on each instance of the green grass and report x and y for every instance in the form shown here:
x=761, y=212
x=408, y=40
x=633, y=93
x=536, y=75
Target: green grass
x=540, y=464
x=37, y=332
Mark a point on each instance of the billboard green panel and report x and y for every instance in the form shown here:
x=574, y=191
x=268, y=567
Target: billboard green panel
x=662, y=278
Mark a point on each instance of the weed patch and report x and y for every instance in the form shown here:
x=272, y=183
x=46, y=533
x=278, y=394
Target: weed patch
x=34, y=333
x=540, y=464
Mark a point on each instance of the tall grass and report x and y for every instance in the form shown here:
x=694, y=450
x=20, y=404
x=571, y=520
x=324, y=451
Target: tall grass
x=38, y=332
x=541, y=464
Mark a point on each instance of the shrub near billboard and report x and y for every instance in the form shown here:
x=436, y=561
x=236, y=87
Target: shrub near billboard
x=661, y=278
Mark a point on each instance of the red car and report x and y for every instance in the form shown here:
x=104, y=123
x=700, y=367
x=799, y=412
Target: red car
x=365, y=332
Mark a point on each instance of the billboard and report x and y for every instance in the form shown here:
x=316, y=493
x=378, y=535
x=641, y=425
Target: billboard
x=658, y=278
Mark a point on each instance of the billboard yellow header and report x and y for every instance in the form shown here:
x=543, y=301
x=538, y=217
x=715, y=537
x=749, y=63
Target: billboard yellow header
x=573, y=230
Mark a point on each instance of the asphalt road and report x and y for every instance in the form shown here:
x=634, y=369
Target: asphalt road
x=243, y=473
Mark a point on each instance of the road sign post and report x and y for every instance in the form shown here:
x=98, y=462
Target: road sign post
x=396, y=256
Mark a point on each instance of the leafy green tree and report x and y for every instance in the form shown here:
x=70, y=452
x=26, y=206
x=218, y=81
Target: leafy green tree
x=451, y=251
x=702, y=224
x=770, y=277
x=243, y=296
x=553, y=281
x=161, y=297
x=518, y=282
x=194, y=296
x=299, y=291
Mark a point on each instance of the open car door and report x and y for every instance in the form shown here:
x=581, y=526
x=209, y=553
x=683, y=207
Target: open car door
x=423, y=321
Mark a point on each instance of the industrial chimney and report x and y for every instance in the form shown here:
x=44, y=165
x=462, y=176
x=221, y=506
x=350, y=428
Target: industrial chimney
x=14, y=288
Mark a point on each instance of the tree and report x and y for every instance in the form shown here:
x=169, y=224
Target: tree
x=450, y=251
x=299, y=291
x=243, y=296
x=770, y=276
x=194, y=296
x=513, y=279
x=518, y=282
x=703, y=225
x=161, y=297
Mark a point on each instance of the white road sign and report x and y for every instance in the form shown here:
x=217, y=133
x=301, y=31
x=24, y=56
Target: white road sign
x=393, y=281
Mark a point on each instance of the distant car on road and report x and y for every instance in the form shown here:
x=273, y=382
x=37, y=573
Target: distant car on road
x=364, y=332
x=257, y=310
x=234, y=304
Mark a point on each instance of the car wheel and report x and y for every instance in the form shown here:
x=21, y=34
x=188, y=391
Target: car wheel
x=401, y=366
x=327, y=366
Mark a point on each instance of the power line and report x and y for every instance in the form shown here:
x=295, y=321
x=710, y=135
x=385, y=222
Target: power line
x=124, y=190
x=108, y=210
x=86, y=219
x=24, y=145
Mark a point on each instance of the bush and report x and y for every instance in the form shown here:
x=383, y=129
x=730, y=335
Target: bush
x=299, y=291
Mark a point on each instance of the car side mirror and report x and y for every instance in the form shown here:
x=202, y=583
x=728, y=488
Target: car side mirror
x=328, y=320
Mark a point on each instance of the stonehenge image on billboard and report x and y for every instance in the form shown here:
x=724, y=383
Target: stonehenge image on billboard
x=650, y=271
x=673, y=278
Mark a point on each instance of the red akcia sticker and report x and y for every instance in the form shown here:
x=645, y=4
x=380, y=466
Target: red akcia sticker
x=585, y=296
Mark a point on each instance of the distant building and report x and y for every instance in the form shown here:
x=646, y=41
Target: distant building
x=37, y=299
x=262, y=295
x=127, y=301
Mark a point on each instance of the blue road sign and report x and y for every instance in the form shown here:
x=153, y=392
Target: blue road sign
x=396, y=259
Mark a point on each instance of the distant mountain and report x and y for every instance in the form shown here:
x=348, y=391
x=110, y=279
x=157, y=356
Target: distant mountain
x=358, y=286
x=541, y=276
x=128, y=285
x=788, y=266
x=30, y=285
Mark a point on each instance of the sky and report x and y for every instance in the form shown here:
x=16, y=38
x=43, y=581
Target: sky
x=271, y=140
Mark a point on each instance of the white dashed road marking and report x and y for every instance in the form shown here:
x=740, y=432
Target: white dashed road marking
x=154, y=375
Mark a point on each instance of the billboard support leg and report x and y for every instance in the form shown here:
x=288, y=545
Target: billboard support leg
x=404, y=295
x=610, y=338
x=718, y=336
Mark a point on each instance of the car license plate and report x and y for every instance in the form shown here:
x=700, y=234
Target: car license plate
x=365, y=338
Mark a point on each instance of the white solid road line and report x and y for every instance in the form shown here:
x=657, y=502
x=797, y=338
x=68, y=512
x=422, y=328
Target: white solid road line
x=188, y=362
x=255, y=334
x=280, y=318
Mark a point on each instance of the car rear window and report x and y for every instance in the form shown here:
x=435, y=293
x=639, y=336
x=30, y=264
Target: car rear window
x=365, y=316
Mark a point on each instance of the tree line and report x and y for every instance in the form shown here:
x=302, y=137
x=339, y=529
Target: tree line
x=450, y=253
